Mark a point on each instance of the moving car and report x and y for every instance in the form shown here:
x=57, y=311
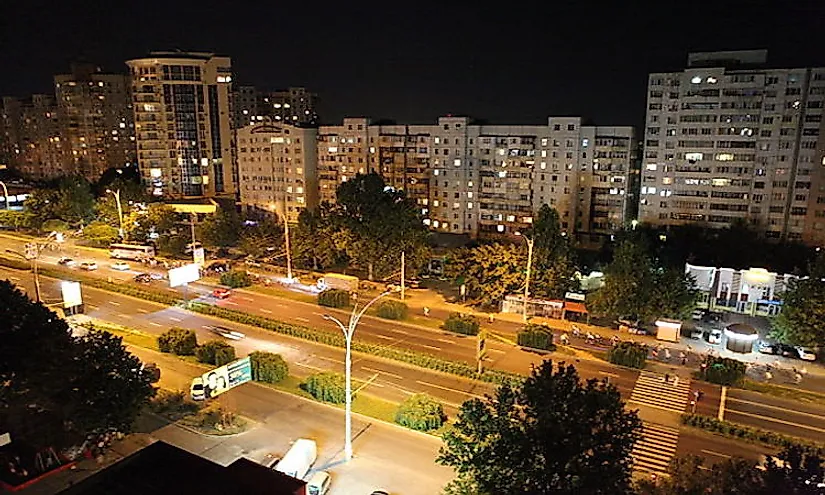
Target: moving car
x=196, y=389
x=696, y=333
x=221, y=293
x=697, y=314
x=226, y=333
x=66, y=261
x=156, y=276
x=143, y=278
x=319, y=483
x=88, y=266
x=120, y=266
x=217, y=267
x=779, y=349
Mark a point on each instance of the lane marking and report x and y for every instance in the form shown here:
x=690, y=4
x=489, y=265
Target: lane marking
x=144, y=311
x=446, y=341
x=248, y=299
x=429, y=346
x=155, y=324
x=175, y=319
x=230, y=303
x=93, y=306
x=497, y=350
x=611, y=375
x=282, y=306
x=16, y=279
x=299, y=318
x=448, y=389
x=309, y=366
x=124, y=316
x=266, y=311
x=722, y=399
x=710, y=452
x=384, y=336
x=115, y=303
x=373, y=370
x=338, y=361
x=402, y=332
x=206, y=327
x=768, y=406
x=780, y=421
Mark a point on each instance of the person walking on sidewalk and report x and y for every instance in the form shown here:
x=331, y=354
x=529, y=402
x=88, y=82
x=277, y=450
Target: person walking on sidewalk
x=683, y=357
x=565, y=340
x=426, y=311
x=491, y=318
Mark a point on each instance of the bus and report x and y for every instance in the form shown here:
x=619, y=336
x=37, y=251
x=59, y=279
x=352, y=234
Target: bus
x=135, y=252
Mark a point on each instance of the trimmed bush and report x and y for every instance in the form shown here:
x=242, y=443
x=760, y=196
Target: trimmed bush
x=15, y=264
x=236, y=279
x=536, y=337
x=392, y=310
x=630, y=354
x=268, y=367
x=734, y=430
x=461, y=323
x=326, y=387
x=172, y=404
x=334, y=298
x=722, y=371
x=421, y=412
x=215, y=352
x=180, y=341
x=54, y=225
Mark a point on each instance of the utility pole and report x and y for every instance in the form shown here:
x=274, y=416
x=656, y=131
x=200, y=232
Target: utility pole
x=288, y=249
x=527, y=278
x=192, y=227
x=402, y=275
x=481, y=350
x=116, y=194
x=5, y=194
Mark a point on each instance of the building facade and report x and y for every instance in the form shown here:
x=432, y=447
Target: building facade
x=96, y=121
x=729, y=140
x=31, y=137
x=293, y=106
x=277, y=168
x=754, y=291
x=184, y=124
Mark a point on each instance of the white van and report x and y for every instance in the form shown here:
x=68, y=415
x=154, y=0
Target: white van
x=299, y=459
x=319, y=483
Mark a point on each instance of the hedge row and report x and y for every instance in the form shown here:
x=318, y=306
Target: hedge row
x=536, y=337
x=15, y=264
x=734, y=430
x=414, y=358
x=630, y=354
x=461, y=323
x=722, y=371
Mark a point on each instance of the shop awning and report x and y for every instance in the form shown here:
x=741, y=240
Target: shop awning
x=575, y=307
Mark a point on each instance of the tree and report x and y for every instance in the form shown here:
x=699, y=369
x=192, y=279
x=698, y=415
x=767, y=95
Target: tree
x=16, y=219
x=319, y=240
x=215, y=352
x=268, y=367
x=75, y=201
x=635, y=287
x=420, y=412
x=382, y=223
x=100, y=234
x=552, y=434
x=43, y=206
x=256, y=238
x=630, y=354
x=157, y=219
x=553, y=267
x=326, y=386
x=180, y=341
x=236, y=279
x=802, y=320
x=221, y=230
x=489, y=272
x=131, y=193
x=109, y=386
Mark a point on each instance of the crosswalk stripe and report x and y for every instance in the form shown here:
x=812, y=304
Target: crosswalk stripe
x=652, y=391
x=654, y=450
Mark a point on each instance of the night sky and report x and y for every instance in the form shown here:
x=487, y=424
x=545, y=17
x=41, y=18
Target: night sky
x=414, y=61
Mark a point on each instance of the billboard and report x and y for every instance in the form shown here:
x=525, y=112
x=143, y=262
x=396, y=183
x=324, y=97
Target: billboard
x=71, y=294
x=228, y=376
x=184, y=275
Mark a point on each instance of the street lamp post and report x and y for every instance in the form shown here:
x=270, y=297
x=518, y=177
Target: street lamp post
x=349, y=331
x=527, y=278
x=274, y=208
x=116, y=194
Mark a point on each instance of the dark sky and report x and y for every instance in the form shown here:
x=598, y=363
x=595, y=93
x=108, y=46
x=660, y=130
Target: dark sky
x=413, y=61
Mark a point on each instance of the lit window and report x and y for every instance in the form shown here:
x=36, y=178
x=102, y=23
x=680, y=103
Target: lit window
x=694, y=157
x=650, y=166
x=372, y=149
x=435, y=172
x=470, y=184
x=426, y=221
x=155, y=172
x=435, y=224
x=437, y=141
x=544, y=153
x=543, y=165
x=544, y=141
x=469, y=206
x=457, y=162
x=667, y=180
x=332, y=149
x=470, y=195
x=585, y=142
x=456, y=206
x=696, y=80
x=435, y=203
x=724, y=157
x=511, y=218
x=720, y=182
x=502, y=174
x=711, y=80
x=500, y=228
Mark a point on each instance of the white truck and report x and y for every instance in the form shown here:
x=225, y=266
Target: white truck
x=299, y=459
x=338, y=281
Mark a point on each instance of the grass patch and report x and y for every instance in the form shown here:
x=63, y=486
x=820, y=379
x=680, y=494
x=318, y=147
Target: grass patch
x=783, y=392
x=283, y=293
x=130, y=336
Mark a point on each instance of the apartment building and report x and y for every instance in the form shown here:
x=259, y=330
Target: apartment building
x=245, y=107
x=184, y=123
x=96, y=121
x=343, y=152
x=277, y=168
x=31, y=137
x=728, y=139
x=294, y=106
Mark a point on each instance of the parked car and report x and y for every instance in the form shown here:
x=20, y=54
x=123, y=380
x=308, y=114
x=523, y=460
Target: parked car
x=221, y=293
x=319, y=483
x=696, y=333
x=713, y=336
x=120, y=266
x=153, y=370
x=226, y=333
x=156, y=276
x=88, y=266
x=218, y=267
x=196, y=389
x=143, y=278
x=778, y=349
x=805, y=353
x=697, y=314
x=65, y=261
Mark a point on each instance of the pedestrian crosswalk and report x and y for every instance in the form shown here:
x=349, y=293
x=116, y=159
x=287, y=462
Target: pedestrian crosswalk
x=651, y=390
x=653, y=452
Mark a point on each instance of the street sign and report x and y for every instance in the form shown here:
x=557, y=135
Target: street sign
x=574, y=296
x=199, y=256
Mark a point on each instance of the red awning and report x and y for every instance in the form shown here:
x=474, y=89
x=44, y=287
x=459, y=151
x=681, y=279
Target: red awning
x=575, y=307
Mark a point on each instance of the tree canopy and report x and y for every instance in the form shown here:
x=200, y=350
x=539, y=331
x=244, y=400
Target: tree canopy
x=802, y=320
x=56, y=385
x=221, y=230
x=553, y=434
x=489, y=271
x=553, y=264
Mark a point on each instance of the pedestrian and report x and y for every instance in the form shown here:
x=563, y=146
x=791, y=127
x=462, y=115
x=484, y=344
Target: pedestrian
x=798, y=378
x=426, y=311
x=699, y=395
x=683, y=357
x=667, y=354
x=768, y=376
x=696, y=394
x=491, y=318
x=564, y=339
x=676, y=381
x=667, y=378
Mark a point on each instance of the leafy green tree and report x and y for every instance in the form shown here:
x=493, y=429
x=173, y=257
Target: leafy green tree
x=461, y=323
x=99, y=234
x=157, y=218
x=180, y=341
x=489, y=271
x=215, y=352
x=334, y=298
x=630, y=354
x=221, y=230
x=131, y=193
x=326, y=386
x=109, y=386
x=383, y=222
x=320, y=239
x=16, y=219
x=255, y=239
x=43, y=206
x=553, y=434
x=392, y=310
x=236, y=279
x=635, y=287
x=268, y=367
x=420, y=412
x=75, y=201
x=553, y=265
x=536, y=337
x=794, y=470
x=802, y=320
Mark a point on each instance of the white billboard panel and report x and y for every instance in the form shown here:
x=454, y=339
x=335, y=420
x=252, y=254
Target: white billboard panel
x=230, y=375
x=184, y=275
x=71, y=294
